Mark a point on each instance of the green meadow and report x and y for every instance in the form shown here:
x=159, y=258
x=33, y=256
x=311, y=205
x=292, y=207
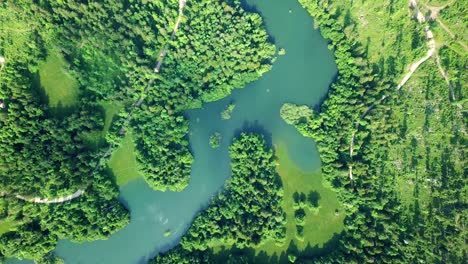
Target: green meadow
x=62, y=90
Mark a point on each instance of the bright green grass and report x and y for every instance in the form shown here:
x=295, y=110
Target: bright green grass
x=123, y=162
x=6, y=226
x=383, y=27
x=320, y=226
x=60, y=88
x=96, y=139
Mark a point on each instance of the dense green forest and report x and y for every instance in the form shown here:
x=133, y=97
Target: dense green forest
x=218, y=48
x=237, y=216
x=110, y=49
x=358, y=132
x=394, y=154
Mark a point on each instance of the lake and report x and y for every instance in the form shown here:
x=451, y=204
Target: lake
x=301, y=76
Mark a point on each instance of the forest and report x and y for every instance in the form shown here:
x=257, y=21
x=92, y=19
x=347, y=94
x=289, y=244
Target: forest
x=51, y=142
x=394, y=154
x=402, y=181
x=236, y=216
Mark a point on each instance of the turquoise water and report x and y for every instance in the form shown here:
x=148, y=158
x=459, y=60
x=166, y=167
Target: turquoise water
x=302, y=76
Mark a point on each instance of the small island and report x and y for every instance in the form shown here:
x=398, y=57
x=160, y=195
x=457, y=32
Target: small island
x=282, y=52
x=215, y=140
x=167, y=233
x=227, y=112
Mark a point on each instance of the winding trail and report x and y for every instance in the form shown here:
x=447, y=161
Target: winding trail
x=434, y=15
x=109, y=151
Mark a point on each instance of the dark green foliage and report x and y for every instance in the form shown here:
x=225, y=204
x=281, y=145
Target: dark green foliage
x=299, y=215
x=162, y=149
x=31, y=242
x=313, y=199
x=111, y=48
x=377, y=228
x=299, y=200
x=108, y=41
x=190, y=75
x=300, y=232
x=219, y=47
x=236, y=216
x=179, y=255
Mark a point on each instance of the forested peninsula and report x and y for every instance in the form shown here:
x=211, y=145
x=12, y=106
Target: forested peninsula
x=51, y=151
x=391, y=132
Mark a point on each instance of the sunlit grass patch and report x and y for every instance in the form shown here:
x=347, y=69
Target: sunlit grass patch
x=59, y=86
x=321, y=224
x=123, y=162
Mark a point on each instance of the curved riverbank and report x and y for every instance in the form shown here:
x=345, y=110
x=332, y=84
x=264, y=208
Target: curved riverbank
x=301, y=76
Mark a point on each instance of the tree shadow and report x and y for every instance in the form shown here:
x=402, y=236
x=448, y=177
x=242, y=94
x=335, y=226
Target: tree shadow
x=313, y=198
x=249, y=255
x=254, y=127
x=314, y=253
x=60, y=111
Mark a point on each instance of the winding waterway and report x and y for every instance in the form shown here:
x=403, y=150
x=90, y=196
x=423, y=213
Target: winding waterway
x=301, y=76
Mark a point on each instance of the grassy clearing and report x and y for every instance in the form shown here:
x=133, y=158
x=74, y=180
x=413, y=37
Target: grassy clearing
x=60, y=88
x=7, y=226
x=123, y=162
x=426, y=130
x=376, y=23
x=320, y=225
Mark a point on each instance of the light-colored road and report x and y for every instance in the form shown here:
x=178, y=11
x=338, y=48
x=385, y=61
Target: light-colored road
x=55, y=200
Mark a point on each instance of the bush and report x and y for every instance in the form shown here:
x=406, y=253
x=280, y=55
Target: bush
x=313, y=199
x=300, y=232
x=300, y=216
x=215, y=140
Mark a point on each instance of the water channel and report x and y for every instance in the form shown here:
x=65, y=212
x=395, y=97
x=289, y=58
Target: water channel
x=301, y=76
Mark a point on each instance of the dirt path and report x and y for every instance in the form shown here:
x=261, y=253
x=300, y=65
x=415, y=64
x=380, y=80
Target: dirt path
x=435, y=10
x=50, y=201
x=2, y=63
x=109, y=151
x=444, y=74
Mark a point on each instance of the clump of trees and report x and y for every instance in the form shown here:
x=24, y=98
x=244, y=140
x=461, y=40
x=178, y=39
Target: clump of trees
x=313, y=200
x=299, y=200
x=296, y=114
x=227, y=112
x=215, y=140
x=300, y=216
